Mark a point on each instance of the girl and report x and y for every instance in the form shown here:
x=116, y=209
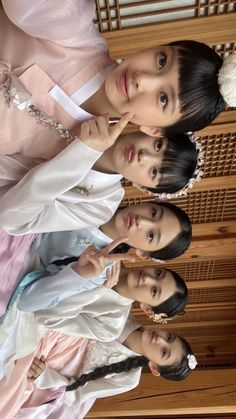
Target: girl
x=88, y=191
x=64, y=75
x=166, y=289
x=98, y=370
x=155, y=230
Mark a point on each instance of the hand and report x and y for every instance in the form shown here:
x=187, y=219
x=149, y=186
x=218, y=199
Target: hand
x=92, y=262
x=36, y=368
x=97, y=133
x=113, y=275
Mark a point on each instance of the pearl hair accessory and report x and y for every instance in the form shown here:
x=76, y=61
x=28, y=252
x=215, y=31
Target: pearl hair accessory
x=196, y=177
x=227, y=80
x=192, y=362
x=159, y=318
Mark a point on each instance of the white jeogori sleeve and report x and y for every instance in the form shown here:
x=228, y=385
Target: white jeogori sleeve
x=66, y=22
x=49, y=290
x=44, y=201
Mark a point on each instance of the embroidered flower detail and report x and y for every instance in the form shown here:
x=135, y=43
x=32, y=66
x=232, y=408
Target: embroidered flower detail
x=192, y=362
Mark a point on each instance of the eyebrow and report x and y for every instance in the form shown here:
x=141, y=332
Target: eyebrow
x=172, y=92
x=158, y=235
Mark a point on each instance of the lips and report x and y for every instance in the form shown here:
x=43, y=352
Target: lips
x=129, y=220
x=130, y=154
x=123, y=84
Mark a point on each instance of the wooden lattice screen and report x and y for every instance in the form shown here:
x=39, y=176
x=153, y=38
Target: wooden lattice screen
x=209, y=265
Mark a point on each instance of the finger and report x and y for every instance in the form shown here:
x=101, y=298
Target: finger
x=39, y=363
x=84, y=130
x=116, y=130
x=93, y=128
x=103, y=125
x=114, y=244
x=121, y=257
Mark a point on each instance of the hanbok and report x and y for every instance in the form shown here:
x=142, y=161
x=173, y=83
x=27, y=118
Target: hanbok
x=67, y=357
x=60, y=61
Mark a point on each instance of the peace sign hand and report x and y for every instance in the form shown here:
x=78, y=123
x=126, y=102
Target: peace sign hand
x=97, y=133
x=91, y=263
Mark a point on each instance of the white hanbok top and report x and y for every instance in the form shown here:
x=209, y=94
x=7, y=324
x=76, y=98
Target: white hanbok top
x=51, y=197
x=99, y=314
x=50, y=290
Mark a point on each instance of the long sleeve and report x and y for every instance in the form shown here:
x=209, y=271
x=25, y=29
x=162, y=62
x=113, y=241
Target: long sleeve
x=43, y=200
x=66, y=22
x=49, y=290
x=98, y=314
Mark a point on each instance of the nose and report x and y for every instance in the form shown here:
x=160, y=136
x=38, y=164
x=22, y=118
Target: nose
x=145, y=156
x=145, y=81
x=143, y=222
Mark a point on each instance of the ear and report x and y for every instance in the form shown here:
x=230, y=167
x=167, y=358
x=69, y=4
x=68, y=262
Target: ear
x=147, y=309
x=153, y=368
x=152, y=131
x=142, y=254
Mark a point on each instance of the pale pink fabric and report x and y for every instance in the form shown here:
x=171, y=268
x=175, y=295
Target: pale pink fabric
x=68, y=51
x=13, y=252
x=64, y=353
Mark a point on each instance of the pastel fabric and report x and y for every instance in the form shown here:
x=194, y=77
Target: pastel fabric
x=67, y=357
x=100, y=314
x=13, y=251
x=59, y=195
x=63, y=61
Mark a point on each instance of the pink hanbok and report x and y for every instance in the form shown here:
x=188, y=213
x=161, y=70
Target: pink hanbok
x=60, y=61
x=64, y=355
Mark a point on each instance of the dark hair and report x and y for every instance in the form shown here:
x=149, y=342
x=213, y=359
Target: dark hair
x=178, y=164
x=199, y=95
x=175, y=372
x=177, y=302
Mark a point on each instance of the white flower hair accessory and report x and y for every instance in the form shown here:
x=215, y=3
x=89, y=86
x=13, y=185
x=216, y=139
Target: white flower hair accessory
x=159, y=318
x=227, y=80
x=196, y=177
x=192, y=362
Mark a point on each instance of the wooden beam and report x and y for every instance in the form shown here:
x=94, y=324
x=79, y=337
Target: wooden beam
x=214, y=230
x=150, y=35
x=224, y=283
x=203, y=392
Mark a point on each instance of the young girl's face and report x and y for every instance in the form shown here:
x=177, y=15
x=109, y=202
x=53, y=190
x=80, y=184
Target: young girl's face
x=146, y=83
x=138, y=158
x=148, y=226
x=162, y=347
x=150, y=285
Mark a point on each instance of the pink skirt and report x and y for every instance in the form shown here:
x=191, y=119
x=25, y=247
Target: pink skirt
x=13, y=252
x=64, y=353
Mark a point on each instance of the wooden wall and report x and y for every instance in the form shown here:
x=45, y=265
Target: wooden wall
x=209, y=266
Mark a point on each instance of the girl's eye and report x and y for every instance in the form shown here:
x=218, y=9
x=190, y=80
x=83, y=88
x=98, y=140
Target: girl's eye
x=169, y=338
x=158, y=145
x=158, y=272
x=154, y=291
x=162, y=60
x=154, y=172
x=154, y=212
x=163, y=352
x=163, y=100
x=150, y=236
